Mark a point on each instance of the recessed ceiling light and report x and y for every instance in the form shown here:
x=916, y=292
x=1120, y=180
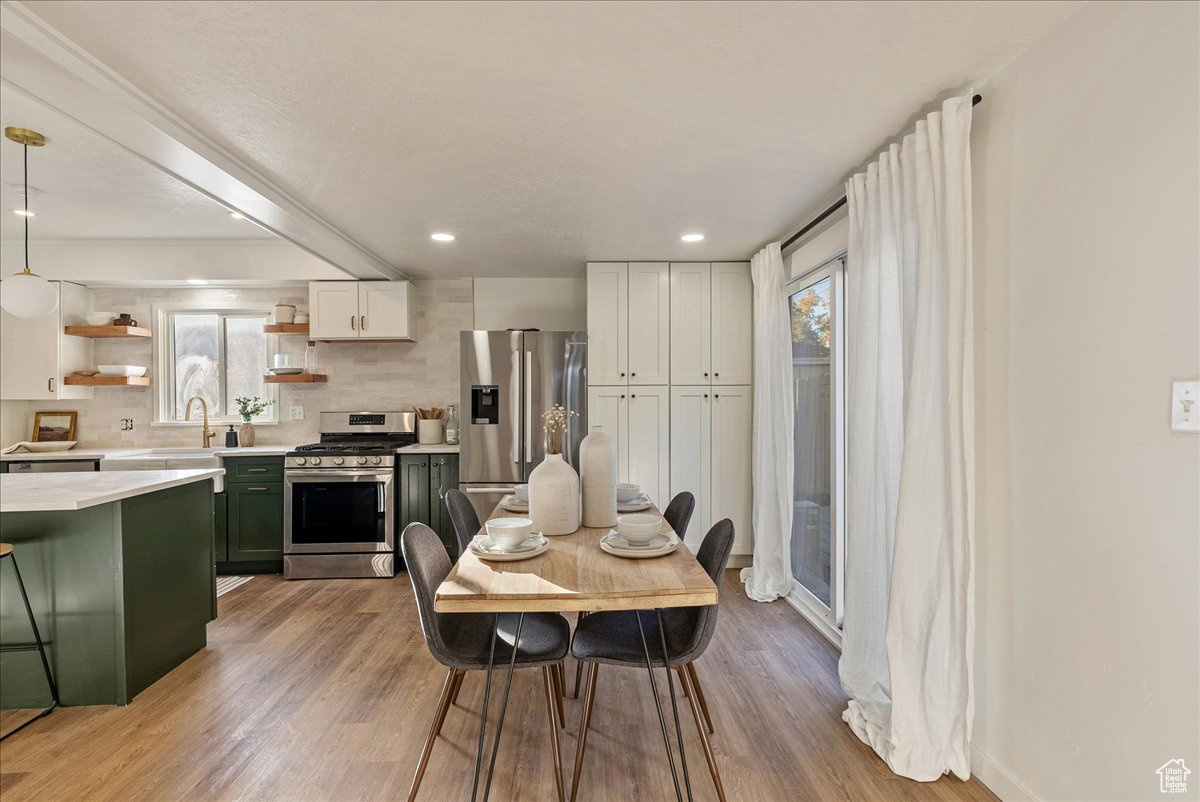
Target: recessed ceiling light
x=237, y=215
x=442, y=237
x=692, y=237
x=197, y=281
x=24, y=213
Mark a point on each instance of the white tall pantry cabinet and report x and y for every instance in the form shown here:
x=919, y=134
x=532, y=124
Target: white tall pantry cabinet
x=670, y=367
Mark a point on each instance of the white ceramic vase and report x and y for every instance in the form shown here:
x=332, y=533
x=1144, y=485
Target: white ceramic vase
x=554, y=497
x=598, y=480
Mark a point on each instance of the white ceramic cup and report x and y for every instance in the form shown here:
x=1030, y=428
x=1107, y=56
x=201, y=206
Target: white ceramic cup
x=522, y=493
x=281, y=361
x=639, y=529
x=429, y=431
x=627, y=492
x=508, y=533
x=284, y=313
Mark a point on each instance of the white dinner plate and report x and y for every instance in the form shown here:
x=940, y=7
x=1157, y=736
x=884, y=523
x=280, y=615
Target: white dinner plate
x=514, y=504
x=285, y=371
x=484, y=550
x=661, y=546
x=637, y=505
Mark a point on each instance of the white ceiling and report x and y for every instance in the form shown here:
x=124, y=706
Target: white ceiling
x=547, y=134
x=92, y=189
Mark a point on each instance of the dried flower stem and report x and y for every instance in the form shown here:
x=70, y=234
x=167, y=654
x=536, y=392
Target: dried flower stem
x=554, y=424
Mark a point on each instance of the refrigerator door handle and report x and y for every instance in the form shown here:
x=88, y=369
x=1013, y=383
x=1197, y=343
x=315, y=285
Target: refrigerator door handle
x=528, y=406
x=483, y=490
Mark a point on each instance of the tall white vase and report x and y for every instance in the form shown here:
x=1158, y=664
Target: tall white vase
x=554, y=497
x=598, y=478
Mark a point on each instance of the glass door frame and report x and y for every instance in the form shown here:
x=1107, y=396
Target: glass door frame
x=835, y=271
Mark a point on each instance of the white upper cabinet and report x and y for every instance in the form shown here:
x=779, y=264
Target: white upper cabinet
x=372, y=310
x=608, y=322
x=732, y=436
x=608, y=406
x=386, y=310
x=691, y=323
x=649, y=323
x=649, y=441
x=732, y=323
x=35, y=353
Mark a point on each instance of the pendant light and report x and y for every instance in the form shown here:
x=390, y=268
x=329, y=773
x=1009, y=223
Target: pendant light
x=26, y=294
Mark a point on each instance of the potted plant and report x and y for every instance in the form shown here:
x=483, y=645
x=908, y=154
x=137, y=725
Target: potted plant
x=249, y=408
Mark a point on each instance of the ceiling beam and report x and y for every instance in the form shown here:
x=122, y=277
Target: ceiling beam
x=41, y=62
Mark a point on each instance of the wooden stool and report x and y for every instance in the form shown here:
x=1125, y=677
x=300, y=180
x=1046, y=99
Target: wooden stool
x=6, y=552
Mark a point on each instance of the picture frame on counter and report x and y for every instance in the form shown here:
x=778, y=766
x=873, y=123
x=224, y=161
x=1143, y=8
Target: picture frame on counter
x=54, y=426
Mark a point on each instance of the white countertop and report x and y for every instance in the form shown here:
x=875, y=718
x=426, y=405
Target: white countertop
x=438, y=448
x=82, y=454
x=74, y=455
x=45, y=492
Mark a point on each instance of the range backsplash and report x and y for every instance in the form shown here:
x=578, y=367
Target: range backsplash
x=374, y=376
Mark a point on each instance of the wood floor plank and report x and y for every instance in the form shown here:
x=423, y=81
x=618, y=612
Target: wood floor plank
x=322, y=690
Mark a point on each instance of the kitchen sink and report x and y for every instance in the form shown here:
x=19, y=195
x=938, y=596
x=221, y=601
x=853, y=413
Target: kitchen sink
x=165, y=459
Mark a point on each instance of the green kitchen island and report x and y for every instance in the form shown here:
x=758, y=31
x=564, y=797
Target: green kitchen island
x=119, y=567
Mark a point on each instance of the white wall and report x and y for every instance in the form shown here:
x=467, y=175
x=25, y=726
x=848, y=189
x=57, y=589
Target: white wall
x=549, y=304
x=1085, y=166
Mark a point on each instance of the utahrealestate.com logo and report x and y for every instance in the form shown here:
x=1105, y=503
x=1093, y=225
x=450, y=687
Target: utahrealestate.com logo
x=1172, y=777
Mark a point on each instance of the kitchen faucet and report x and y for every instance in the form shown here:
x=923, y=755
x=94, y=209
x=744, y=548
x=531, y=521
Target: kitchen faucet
x=206, y=434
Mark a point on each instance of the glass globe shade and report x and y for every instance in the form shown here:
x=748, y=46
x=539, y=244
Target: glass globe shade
x=28, y=295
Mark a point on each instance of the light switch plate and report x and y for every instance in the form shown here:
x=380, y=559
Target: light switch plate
x=295, y=413
x=1185, y=406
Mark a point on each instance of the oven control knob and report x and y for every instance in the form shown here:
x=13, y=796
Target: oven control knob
x=338, y=460
x=300, y=460
x=316, y=460
x=362, y=460
x=376, y=460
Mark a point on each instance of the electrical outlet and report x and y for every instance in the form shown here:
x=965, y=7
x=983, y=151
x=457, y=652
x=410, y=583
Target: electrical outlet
x=1185, y=406
x=295, y=413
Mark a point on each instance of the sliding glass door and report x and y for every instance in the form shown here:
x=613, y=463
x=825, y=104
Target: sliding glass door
x=814, y=301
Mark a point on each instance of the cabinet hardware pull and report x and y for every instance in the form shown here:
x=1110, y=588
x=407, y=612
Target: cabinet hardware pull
x=352, y=328
x=633, y=396
x=632, y=375
x=257, y=489
x=716, y=375
x=717, y=396
x=706, y=395
x=622, y=375
x=622, y=396
x=362, y=322
x=256, y=470
x=50, y=384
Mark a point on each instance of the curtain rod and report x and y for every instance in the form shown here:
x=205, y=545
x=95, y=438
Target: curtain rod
x=816, y=221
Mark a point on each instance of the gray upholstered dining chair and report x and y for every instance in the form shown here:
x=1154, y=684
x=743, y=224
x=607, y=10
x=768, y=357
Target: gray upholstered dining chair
x=614, y=637
x=462, y=641
x=466, y=526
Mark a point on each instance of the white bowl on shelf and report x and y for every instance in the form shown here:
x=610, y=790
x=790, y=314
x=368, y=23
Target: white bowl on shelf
x=99, y=318
x=122, y=370
x=639, y=529
x=627, y=492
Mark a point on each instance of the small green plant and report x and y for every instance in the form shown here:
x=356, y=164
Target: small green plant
x=250, y=407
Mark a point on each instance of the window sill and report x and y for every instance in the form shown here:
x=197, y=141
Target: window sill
x=211, y=422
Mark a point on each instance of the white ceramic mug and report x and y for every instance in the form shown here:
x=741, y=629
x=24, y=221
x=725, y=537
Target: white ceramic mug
x=285, y=313
x=281, y=360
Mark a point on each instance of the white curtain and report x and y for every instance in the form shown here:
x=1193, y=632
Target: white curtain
x=909, y=623
x=770, y=574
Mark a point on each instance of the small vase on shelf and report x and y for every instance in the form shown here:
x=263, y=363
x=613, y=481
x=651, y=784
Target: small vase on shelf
x=554, y=485
x=245, y=433
x=598, y=479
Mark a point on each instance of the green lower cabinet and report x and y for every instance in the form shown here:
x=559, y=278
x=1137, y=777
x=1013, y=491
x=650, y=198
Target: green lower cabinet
x=220, y=526
x=443, y=477
x=424, y=481
x=254, y=521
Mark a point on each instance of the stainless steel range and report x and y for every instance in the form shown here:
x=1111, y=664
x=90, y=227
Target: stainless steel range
x=339, y=508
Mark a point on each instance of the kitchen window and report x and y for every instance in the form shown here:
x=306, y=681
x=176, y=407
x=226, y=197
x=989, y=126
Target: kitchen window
x=815, y=303
x=218, y=354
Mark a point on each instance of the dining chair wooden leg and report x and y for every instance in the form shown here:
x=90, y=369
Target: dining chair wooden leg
x=578, y=665
x=556, y=672
x=585, y=720
x=692, y=698
x=691, y=669
x=682, y=684
x=458, y=681
x=434, y=729
x=549, y=680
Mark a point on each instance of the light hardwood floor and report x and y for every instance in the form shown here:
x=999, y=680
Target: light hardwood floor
x=325, y=690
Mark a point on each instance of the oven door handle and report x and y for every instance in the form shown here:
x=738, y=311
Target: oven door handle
x=299, y=477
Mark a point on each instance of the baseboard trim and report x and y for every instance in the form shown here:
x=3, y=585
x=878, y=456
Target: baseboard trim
x=813, y=616
x=997, y=779
x=740, y=560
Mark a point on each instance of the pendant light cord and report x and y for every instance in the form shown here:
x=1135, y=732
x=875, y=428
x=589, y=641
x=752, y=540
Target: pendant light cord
x=25, y=155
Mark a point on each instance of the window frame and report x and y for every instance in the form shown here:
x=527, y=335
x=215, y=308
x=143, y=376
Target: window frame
x=835, y=270
x=164, y=357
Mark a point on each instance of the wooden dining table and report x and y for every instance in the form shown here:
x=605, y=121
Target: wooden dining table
x=575, y=575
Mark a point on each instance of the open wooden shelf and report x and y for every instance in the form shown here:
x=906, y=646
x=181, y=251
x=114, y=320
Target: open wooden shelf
x=107, y=331
x=296, y=378
x=286, y=328
x=108, y=381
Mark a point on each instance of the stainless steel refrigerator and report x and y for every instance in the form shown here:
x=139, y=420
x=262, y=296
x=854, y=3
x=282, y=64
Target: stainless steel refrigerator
x=508, y=379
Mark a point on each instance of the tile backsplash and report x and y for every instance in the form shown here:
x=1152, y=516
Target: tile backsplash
x=374, y=376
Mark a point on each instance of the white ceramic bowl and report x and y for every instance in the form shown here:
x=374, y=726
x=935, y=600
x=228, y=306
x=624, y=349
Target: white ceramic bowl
x=98, y=318
x=508, y=533
x=522, y=493
x=639, y=529
x=121, y=370
x=627, y=492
